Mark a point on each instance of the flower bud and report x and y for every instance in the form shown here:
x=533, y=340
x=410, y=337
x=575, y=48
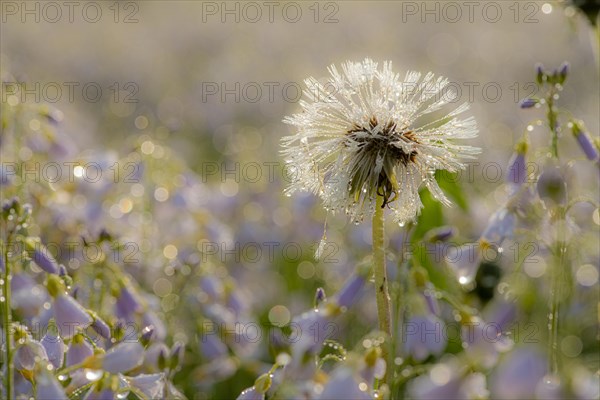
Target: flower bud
x=176, y=356
x=147, y=335
x=100, y=326
x=528, y=103
x=540, y=74
x=563, y=72
x=79, y=350
x=54, y=346
x=319, y=297
x=41, y=256
x=584, y=141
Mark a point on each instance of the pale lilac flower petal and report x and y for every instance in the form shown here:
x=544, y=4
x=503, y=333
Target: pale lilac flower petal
x=44, y=260
x=127, y=304
x=78, y=351
x=212, y=347
x=70, y=316
x=152, y=385
x=149, y=318
x=528, y=103
x=343, y=385
x=501, y=225
x=123, y=357
x=48, y=388
x=519, y=374
x=101, y=327
x=28, y=354
x=517, y=169
x=55, y=349
x=585, y=142
x=464, y=260
x=351, y=290
x=423, y=336
x=251, y=394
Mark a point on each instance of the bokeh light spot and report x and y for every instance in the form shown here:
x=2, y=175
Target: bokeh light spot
x=162, y=287
x=571, y=346
x=587, y=275
x=279, y=315
x=306, y=270
x=170, y=251
x=161, y=194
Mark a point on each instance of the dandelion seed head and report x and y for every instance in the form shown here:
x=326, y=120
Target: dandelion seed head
x=366, y=132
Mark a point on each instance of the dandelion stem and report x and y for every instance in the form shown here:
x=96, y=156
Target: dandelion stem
x=381, y=283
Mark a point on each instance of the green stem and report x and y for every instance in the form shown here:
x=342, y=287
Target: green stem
x=556, y=295
x=7, y=322
x=379, y=271
x=552, y=119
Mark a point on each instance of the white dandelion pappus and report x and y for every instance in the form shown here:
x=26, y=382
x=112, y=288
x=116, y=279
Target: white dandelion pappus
x=367, y=133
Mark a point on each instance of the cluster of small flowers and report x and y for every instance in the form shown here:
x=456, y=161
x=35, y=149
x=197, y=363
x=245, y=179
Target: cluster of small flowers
x=87, y=328
x=303, y=371
x=61, y=347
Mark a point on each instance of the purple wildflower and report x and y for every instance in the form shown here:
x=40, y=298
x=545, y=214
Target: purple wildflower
x=212, y=347
x=149, y=318
x=517, y=166
x=152, y=386
x=47, y=387
x=123, y=357
x=41, y=256
x=501, y=225
x=100, y=327
x=27, y=296
x=350, y=291
x=152, y=355
x=320, y=296
x=585, y=142
x=251, y=394
x=423, y=337
x=212, y=286
x=54, y=346
x=518, y=375
x=483, y=341
x=28, y=354
x=127, y=304
x=528, y=103
x=464, y=260
x=448, y=381
x=440, y=234
x=343, y=384
x=176, y=356
x=79, y=350
x=70, y=315
x=257, y=392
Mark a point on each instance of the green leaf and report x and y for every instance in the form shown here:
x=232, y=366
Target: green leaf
x=431, y=216
x=450, y=184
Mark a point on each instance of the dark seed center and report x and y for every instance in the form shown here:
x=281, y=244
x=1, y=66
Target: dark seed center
x=383, y=145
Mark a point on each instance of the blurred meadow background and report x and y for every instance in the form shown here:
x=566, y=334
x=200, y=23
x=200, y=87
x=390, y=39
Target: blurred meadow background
x=190, y=108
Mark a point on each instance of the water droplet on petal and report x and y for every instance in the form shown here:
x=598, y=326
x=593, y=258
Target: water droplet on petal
x=93, y=374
